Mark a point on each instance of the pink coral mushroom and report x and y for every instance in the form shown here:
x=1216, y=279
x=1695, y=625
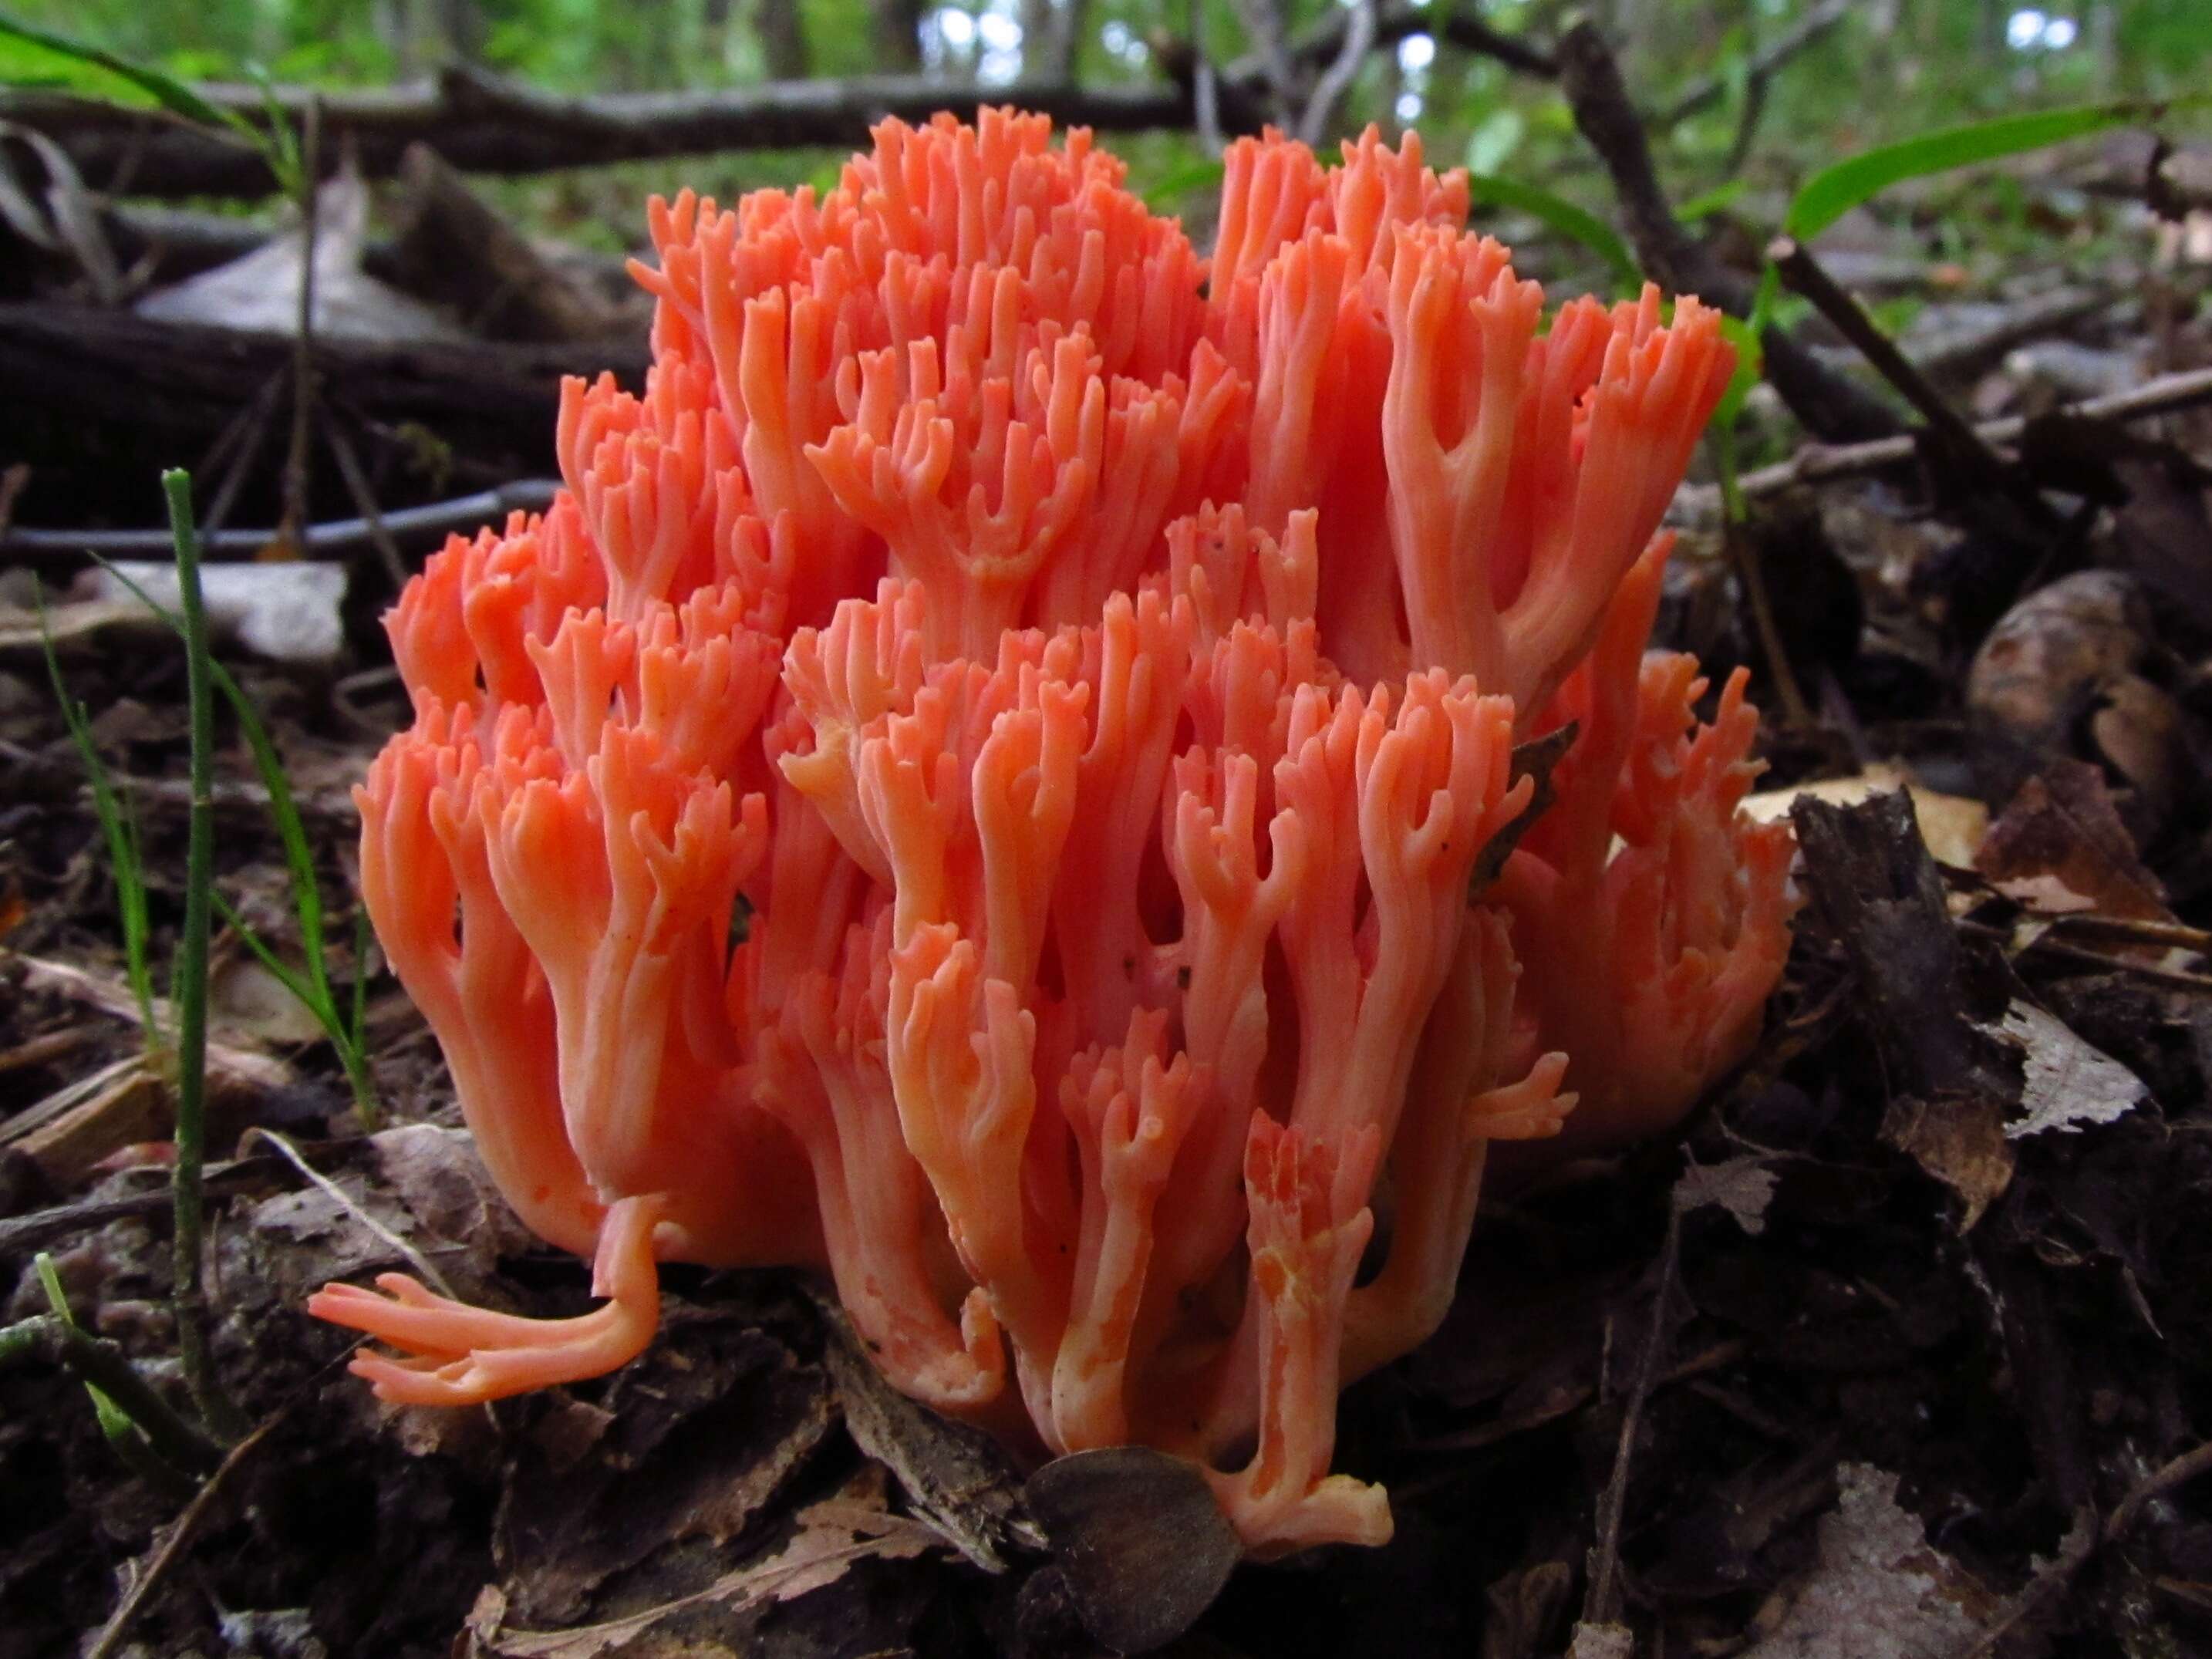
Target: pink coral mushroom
x=1092, y=674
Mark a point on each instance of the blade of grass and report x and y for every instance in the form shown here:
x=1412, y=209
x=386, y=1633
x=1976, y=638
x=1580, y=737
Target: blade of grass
x=132, y=1444
x=291, y=833
x=345, y=1036
x=118, y=829
x=167, y=93
x=188, y=985
x=1836, y=188
x=1557, y=213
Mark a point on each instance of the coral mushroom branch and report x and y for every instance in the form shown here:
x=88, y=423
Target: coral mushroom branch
x=973, y=788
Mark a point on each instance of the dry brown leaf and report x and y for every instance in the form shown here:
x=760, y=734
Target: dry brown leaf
x=833, y=1536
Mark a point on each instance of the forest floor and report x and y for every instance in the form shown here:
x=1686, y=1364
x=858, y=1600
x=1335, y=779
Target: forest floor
x=1902, y=1347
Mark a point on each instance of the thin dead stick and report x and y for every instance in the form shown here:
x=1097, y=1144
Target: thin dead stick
x=1750, y=576
x=2160, y=1482
x=2200, y=983
x=1602, y=1604
x=243, y=433
x=167, y=1553
x=303, y=340
x=2150, y=933
x=1321, y=108
x=1770, y=58
x=1805, y=275
x=1817, y=463
x=338, y=1195
x=334, y=535
x=364, y=500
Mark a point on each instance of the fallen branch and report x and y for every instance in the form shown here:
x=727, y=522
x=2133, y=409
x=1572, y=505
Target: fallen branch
x=1808, y=29
x=1829, y=406
x=1819, y=463
x=406, y=524
x=481, y=123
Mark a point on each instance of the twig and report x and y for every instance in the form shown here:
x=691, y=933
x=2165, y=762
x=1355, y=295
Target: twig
x=2151, y=933
x=1750, y=577
x=1336, y=81
x=364, y=499
x=335, y=536
x=2200, y=983
x=1463, y=30
x=1204, y=87
x=20, y=1233
x=1828, y=405
x=331, y=1189
x=303, y=335
x=1601, y=1605
x=170, y=1548
x=1263, y=21
x=2160, y=1482
x=101, y=1364
x=1817, y=463
x=1805, y=275
x=1804, y=33
x=189, y=989
x=243, y=433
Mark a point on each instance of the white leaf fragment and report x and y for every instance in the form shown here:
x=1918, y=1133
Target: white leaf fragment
x=1879, y=1589
x=1741, y=1186
x=2067, y=1083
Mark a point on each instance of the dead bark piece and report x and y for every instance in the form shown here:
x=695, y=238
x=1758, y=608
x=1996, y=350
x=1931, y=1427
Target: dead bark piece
x=956, y=1476
x=695, y=1444
x=502, y=289
x=1880, y=897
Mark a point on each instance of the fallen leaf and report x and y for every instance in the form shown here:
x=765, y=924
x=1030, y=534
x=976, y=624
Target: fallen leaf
x=1951, y=826
x=1961, y=1141
x=2068, y=1083
x=1878, y=1591
x=2062, y=825
x=286, y=612
x=833, y=1536
x=1741, y=1186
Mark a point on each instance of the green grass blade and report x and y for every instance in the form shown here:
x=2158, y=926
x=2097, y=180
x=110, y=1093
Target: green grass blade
x=118, y=829
x=358, y=1031
x=189, y=984
x=1835, y=191
x=289, y=977
x=163, y=90
x=283, y=809
x=1558, y=214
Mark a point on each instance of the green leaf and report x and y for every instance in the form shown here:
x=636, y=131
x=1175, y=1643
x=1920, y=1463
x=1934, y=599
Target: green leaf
x=1750, y=364
x=1166, y=193
x=151, y=84
x=1557, y=213
x=1493, y=144
x=1835, y=191
x=1704, y=206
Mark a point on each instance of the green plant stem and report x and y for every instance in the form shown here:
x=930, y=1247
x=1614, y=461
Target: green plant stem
x=188, y=988
x=99, y=1363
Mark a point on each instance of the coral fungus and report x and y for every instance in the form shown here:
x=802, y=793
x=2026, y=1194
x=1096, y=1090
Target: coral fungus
x=1082, y=677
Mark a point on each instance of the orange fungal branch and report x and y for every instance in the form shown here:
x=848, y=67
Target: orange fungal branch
x=974, y=786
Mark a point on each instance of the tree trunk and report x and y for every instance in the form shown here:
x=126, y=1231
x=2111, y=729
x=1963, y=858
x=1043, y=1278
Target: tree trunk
x=898, y=36
x=782, y=35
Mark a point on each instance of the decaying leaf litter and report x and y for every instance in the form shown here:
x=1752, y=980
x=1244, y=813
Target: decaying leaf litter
x=1906, y=1331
